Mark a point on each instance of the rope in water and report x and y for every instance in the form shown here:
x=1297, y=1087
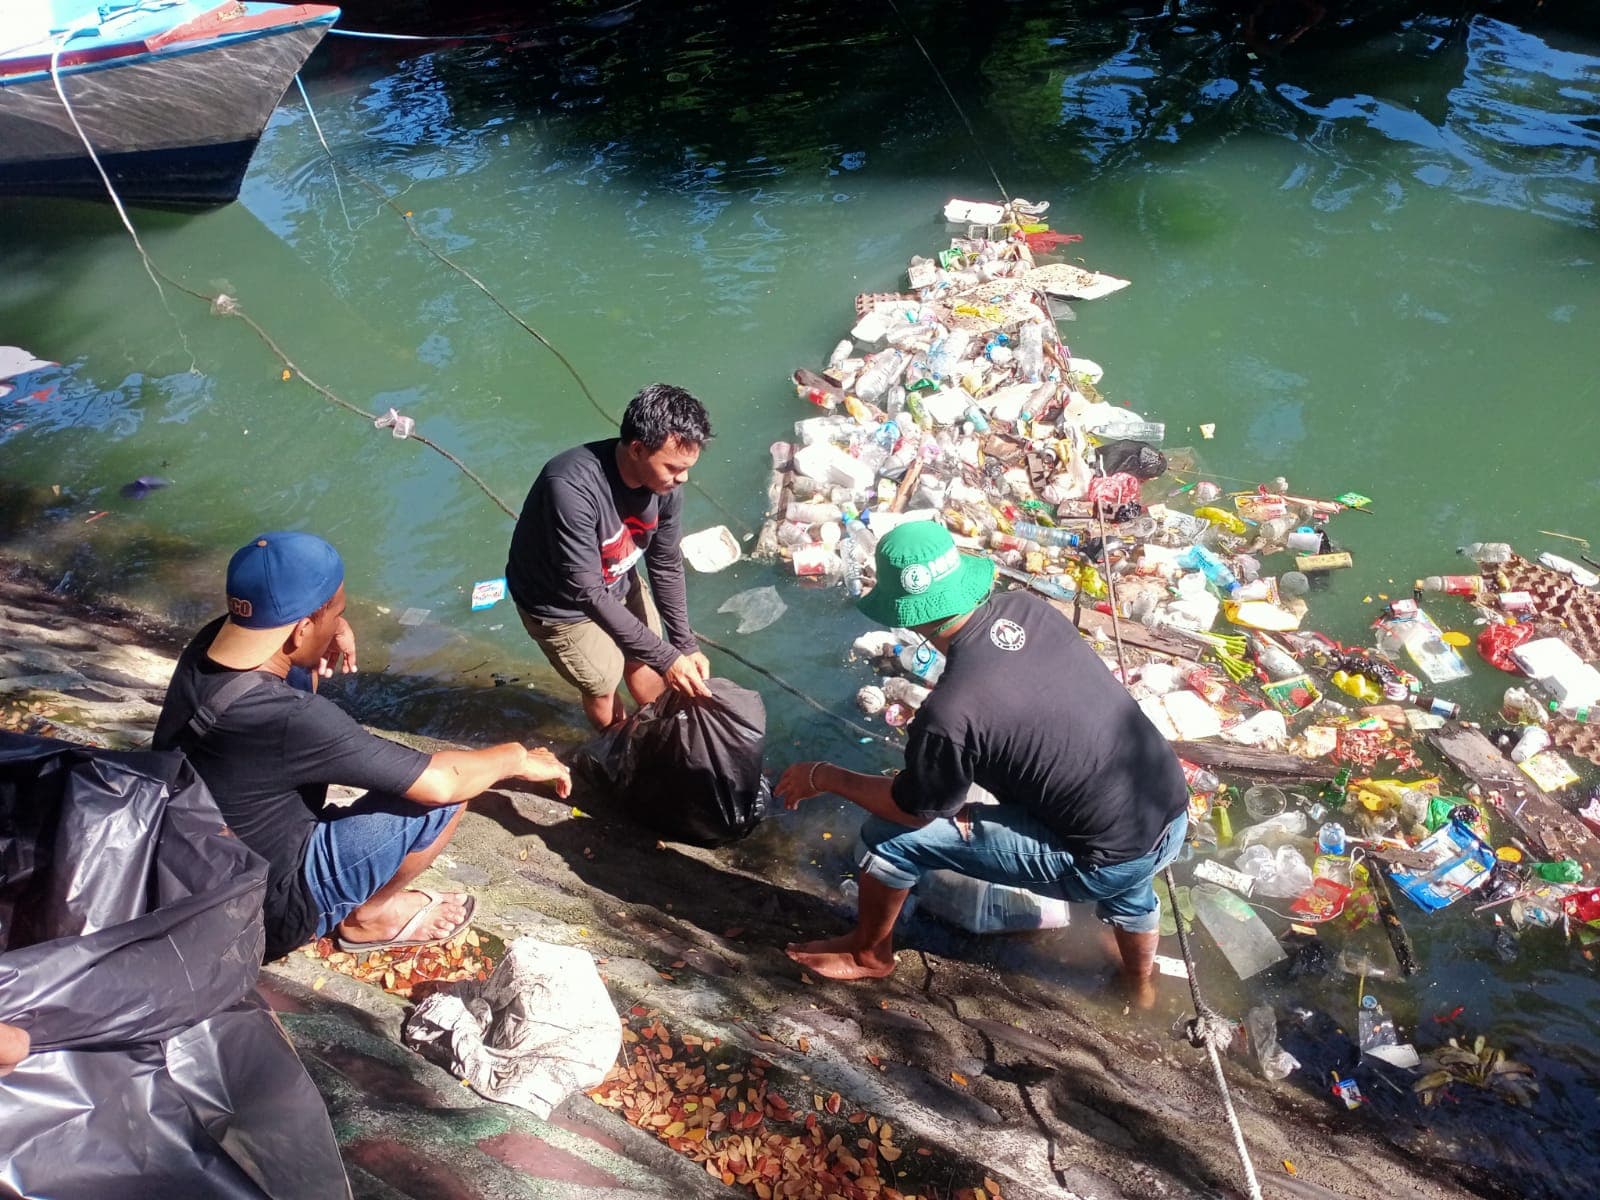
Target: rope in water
x=388, y=202
x=224, y=305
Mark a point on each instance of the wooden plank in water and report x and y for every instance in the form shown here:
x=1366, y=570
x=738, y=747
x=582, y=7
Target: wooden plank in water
x=1549, y=829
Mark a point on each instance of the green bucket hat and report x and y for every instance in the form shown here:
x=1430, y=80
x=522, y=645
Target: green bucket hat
x=922, y=577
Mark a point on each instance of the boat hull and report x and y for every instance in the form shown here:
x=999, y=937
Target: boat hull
x=175, y=128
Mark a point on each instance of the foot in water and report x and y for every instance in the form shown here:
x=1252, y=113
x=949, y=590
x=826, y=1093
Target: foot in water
x=841, y=958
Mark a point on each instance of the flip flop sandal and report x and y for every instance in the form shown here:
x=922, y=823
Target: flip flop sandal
x=401, y=940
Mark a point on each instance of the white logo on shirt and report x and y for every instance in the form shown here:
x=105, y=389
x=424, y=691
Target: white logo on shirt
x=1007, y=634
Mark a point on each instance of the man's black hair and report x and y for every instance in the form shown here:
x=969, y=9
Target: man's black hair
x=662, y=411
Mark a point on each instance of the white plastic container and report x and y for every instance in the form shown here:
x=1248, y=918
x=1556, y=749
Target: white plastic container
x=981, y=907
x=820, y=460
x=711, y=550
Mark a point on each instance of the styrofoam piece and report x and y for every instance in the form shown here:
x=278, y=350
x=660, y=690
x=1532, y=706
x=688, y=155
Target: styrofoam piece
x=871, y=329
x=973, y=212
x=947, y=406
x=711, y=550
x=1545, y=658
x=826, y=462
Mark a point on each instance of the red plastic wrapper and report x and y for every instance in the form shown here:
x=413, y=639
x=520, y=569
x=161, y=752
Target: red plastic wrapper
x=1047, y=240
x=1583, y=907
x=1498, y=641
x=1120, y=488
x=1322, y=901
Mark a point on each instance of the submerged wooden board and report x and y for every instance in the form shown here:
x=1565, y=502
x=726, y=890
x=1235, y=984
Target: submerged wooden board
x=1549, y=829
x=1248, y=760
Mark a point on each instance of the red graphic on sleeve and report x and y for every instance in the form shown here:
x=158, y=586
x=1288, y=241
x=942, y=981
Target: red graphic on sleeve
x=620, y=551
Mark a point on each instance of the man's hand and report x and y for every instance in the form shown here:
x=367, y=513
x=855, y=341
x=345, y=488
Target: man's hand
x=541, y=766
x=341, y=652
x=14, y=1046
x=689, y=674
x=800, y=782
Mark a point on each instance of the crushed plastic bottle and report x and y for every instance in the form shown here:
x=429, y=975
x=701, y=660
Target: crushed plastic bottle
x=922, y=662
x=1493, y=553
x=1276, y=1062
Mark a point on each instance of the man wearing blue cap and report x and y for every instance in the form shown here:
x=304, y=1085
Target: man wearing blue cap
x=242, y=706
x=1093, y=802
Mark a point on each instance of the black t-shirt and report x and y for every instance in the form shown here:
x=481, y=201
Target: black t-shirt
x=268, y=762
x=580, y=537
x=1027, y=711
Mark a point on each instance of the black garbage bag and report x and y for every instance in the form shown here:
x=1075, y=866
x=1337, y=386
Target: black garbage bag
x=130, y=940
x=1138, y=459
x=688, y=768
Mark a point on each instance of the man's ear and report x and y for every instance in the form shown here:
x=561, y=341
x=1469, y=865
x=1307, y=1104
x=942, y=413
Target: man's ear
x=297, y=636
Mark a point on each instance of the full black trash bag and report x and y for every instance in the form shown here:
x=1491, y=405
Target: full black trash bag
x=1131, y=458
x=688, y=768
x=130, y=940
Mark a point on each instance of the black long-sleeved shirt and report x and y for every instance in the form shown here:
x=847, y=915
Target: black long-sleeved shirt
x=579, y=539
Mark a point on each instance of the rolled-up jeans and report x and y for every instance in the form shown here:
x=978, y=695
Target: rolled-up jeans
x=1010, y=846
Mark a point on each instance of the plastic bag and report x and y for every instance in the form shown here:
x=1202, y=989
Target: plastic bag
x=756, y=608
x=688, y=768
x=1497, y=642
x=1113, y=489
x=540, y=1029
x=1138, y=459
x=130, y=940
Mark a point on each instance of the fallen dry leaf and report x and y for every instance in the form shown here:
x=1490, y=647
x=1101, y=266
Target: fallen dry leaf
x=958, y=1078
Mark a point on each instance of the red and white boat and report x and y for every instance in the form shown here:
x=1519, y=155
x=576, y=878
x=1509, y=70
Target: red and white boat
x=172, y=94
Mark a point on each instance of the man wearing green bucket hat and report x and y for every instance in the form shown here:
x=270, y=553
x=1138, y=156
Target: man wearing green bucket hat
x=1092, y=801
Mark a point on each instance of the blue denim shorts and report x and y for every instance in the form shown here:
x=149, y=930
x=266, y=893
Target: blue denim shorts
x=350, y=856
x=1013, y=847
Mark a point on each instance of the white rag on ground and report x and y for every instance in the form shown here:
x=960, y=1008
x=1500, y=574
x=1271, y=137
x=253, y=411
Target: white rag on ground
x=539, y=1029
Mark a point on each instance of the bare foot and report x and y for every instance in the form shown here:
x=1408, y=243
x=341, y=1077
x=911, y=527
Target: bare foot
x=385, y=921
x=14, y=1046
x=838, y=958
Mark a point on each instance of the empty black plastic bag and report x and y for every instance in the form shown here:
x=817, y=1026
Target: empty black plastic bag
x=130, y=940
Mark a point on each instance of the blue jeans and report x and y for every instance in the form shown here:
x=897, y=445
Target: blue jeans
x=350, y=856
x=1012, y=847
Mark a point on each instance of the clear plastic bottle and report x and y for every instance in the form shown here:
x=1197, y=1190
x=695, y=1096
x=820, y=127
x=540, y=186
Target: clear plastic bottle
x=904, y=691
x=1044, y=534
x=1218, y=574
x=1276, y=1062
x=1488, y=552
x=852, y=556
x=881, y=371
x=922, y=662
x=1030, y=354
x=1452, y=585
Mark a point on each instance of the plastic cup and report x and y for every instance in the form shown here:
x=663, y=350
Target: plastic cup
x=1263, y=801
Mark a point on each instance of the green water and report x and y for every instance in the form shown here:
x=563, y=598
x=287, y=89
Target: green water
x=1371, y=263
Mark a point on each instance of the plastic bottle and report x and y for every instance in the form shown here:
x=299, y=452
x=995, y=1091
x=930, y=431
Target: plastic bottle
x=975, y=417
x=1534, y=739
x=1246, y=942
x=922, y=662
x=881, y=371
x=1276, y=1062
x=1582, y=714
x=1030, y=354
x=1044, y=534
x=1217, y=573
x=1330, y=838
x=1488, y=552
x=812, y=513
x=1452, y=585
x=1333, y=794
x=1354, y=962
x=1273, y=659
x=981, y=907
x=1447, y=709
x=853, y=556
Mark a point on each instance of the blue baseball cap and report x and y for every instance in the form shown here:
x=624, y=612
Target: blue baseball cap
x=274, y=581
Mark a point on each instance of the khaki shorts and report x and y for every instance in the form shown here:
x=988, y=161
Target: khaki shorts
x=582, y=653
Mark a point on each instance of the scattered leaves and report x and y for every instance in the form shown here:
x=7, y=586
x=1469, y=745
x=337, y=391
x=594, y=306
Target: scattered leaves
x=412, y=972
x=957, y=1078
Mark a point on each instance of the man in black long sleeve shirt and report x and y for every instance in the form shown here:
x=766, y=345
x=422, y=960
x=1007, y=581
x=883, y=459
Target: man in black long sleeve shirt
x=593, y=514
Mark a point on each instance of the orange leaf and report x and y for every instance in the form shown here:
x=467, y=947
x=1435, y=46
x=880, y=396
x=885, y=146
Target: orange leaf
x=805, y=1045
x=834, y=1101
x=1289, y=1167
x=892, y=1153
x=992, y=1186
x=956, y=1077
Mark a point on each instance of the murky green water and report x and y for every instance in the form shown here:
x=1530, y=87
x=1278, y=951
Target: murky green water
x=1371, y=264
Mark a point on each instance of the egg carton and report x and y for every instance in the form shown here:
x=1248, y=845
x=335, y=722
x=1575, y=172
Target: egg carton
x=868, y=301
x=1560, y=601
x=1575, y=738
